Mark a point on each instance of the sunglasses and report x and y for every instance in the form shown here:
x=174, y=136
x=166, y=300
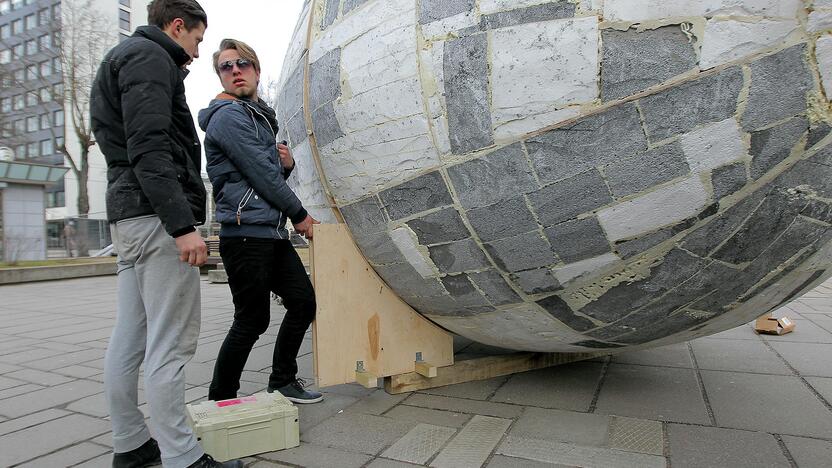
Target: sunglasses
x=228, y=65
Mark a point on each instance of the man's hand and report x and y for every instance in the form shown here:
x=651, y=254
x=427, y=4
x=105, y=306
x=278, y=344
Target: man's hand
x=192, y=249
x=286, y=159
x=304, y=227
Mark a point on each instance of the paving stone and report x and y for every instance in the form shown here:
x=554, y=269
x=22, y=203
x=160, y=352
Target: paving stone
x=497, y=176
x=500, y=220
x=48, y=397
x=817, y=133
x=104, y=461
x=439, y=227
x=771, y=146
x=465, y=68
x=652, y=393
x=433, y=10
x=376, y=403
x=564, y=200
x=476, y=390
x=783, y=78
x=318, y=456
x=38, y=377
x=311, y=415
x=562, y=426
x=495, y=288
x=463, y=291
x=592, y=141
x=522, y=252
x=501, y=461
x=693, y=446
x=560, y=310
x=485, y=408
x=414, y=196
x=31, y=420
x=684, y=107
x=68, y=456
x=637, y=435
x=365, y=216
x=567, y=387
x=330, y=13
x=728, y=179
x=428, y=416
x=327, y=128
x=384, y=463
x=738, y=356
x=533, y=14
x=572, y=455
x=325, y=79
x=642, y=171
x=578, y=240
x=736, y=399
x=809, y=453
x=823, y=386
x=420, y=444
x=30, y=443
x=809, y=359
x=357, y=432
x=474, y=443
x=459, y=256
x=536, y=281
x=19, y=390
x=636, y=60
x=676, y=355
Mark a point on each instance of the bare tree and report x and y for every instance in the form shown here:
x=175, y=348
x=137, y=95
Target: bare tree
x=267, y=92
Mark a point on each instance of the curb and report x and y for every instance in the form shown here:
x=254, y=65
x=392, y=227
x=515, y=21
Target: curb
x=58, y=272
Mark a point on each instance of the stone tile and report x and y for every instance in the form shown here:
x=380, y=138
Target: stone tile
x=463, y=291
x=592, y=141
x=30, y=443
x=771, y=146
x=704, y=240
x=728, y=179
x=568, y=387
x=737, y=356
x=18, y=390
x=476, y=390
x=637, y=435
x=318, y=456
x=572, y=455
x=485, y=408
x=428, y=416
x=522, y=252
x=385, y=463
x=330, y=13
x=536, y=281
x=578, y=239
x=499, y=175
x=791, y=408
x=783, y=78
x=495, y=288
x=68, y=456
x=501, y=461
x=809, y=359
x=420, y=444
x=38, y=377
x=684, y=107
x=104, y=461
x=638, y=245
x=714, y=145
x=692, y=446
x=652, y=393
x=48, y=397
x=366, y=215
x=311, y=415
x=376, y=403
x=531, y=14
x=325, y=79
x=31, y=420
x=326, y=125
x=442, y=226
x=809, y=453
x=473, y=444
x=465, y=65
x=823, y=386
x=378, y=248
x=500, y=220
x=562, y=426
x=820, y=130
x=676, y=355
x=459, y=256
x=569, y=198
x=357, y=432
x=636, y=60
x=350, y=5
x=433, y=10
x=560, y=310
x=420, y=194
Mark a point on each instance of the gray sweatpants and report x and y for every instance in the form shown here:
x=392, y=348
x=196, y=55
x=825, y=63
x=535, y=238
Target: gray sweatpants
x=157, y=322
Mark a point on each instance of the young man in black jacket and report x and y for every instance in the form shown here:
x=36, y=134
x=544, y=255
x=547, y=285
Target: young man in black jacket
x=155, y=198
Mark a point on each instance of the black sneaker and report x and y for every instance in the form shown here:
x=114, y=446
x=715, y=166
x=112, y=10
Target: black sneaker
x=294, y=392
x=146, y=455
x=206, y=461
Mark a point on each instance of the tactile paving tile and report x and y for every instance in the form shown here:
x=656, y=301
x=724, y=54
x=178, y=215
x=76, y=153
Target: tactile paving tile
x=560, y=454
x=421, y=443
x=474, y=443
x=637, y=435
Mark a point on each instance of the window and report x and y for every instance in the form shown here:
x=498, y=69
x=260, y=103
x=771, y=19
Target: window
x=5, y=31
x=124, y=20
x=59, y=142
x=58, y=117
x=46, y=147
x=44, y=121
x=58, y=91
x=20, y=151
x=56, y=65
x=44, y=42
x=31, y=47
x=56, y=11
x=56, y=38
x=5, y=105
x=30, y=22
x=32, y=100
x=5, y=7
x=8, y=130
x=17, y=4
x=45, y=68
x=19, y=75
x=19, y=50
x=5, y=56
x=43, y=17
x=31, y=124
x=19, y=102
x=32, y=150
x=46, y=94
x=17, y=26
x=31, y=72
x=55, y=199
x=19, y=127
x=7, y=80
x=124, y=3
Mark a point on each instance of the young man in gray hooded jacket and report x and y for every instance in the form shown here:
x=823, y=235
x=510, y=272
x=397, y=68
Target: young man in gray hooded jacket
x=248, y=171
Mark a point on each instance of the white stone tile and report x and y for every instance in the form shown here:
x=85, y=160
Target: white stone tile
x=407, y=127
x=589, y=266
x=664, y=206
x=446, y=25
x=405, y=240
x=493, y=6
x=820, y=20
x=386, y=103
x=640, y=10
x=823, y=52
x=306, y=184
x=714, y=145
x=731, y=39
x=510, y=126
x=390, y=38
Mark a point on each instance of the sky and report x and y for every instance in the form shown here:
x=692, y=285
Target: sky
x=265, y=25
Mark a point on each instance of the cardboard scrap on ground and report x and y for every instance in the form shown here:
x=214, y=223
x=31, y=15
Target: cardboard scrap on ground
x=773, y=326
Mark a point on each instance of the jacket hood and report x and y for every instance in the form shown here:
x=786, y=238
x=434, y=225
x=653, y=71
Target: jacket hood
x=204, y=115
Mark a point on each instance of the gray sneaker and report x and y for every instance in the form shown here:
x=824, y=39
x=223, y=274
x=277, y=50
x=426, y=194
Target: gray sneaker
x=294, y=392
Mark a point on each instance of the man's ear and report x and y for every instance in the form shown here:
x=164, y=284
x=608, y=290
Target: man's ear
x=177, y=27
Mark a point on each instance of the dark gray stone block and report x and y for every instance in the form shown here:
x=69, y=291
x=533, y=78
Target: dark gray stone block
x=684, y=107
x=330, y=14
x=463, y=291
x=629, y=248
x=465, y=65
x=815, y=173
x=350, y=5
x=378, y=247
x=818, y=133
x=290, y=100
x=779, y=87
x=561, y=311
x=771, y=146
x=420, y=194
x=536, y=281
x=569, y=198
x=523, y=252
x=578, y=240
x=533, y=14
x=495, y=288
x=592, y=141
x=728, y=179
x=634, y=61
x=430, y=305
x=296, y=128
x=326, y=126
x=708, y=237
x=408, y=281
x=499, y=175
x=642, y=171
x=439, y=227
x=714, y=446
x=459, y=256
x=819, y=210
x=325, y=79
x=433, y=10
x=505, y=219
x=365, y=215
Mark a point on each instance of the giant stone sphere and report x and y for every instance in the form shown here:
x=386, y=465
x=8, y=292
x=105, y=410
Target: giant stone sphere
x=571, y=175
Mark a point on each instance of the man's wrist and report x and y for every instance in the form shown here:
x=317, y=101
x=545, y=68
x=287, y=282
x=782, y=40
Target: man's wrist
x=183, y=231
x=299, y=216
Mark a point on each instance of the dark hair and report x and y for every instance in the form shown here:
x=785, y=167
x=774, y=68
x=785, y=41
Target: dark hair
x=242, y=48
x=162, y=12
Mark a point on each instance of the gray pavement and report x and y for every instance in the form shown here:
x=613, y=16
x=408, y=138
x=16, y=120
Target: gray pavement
x=733, y=399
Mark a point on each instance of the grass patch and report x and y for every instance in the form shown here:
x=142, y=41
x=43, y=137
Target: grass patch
x=57, y=262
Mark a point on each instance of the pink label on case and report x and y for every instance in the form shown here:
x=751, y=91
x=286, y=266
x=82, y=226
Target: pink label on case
x=236, y=401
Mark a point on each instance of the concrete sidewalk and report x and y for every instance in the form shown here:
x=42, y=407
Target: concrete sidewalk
x=733, y=399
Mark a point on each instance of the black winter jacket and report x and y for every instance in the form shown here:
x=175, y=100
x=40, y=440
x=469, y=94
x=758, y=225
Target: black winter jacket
x=143, y=125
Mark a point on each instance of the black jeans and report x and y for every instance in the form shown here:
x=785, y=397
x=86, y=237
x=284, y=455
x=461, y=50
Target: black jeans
x=255, y=268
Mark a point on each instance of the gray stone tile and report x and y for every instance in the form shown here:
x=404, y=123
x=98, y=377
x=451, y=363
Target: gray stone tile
x=771, y=146
x=500, y=220
x=642, y=171
x=676, y=355
x=376, y=403
x=705, y=239
x=783, y=78
x=463, y=291
x=433, y=10
x=572, y=455
x=636, y=60
x=311, y=415
x=578, y=239
x=476, y=390
x=295, y=127
x=495, y=288
x=684, y=107
x=533, y=14
x=358, y=432
x=692, y=446
x=809, y=359
x=442, y=226
x=536, y=281
x=790, y=408
x=325, y=79
x=378, y=248
x=366, y=215
x=290, y=100
x=350, y=5
x=568, y=387
x=471, y=447
x=523, y=252
x=19, y=390
x=414, y=196
x=562, y=426
x=592, y=141
x=318, y=456
x=420, y=444
x=502, y=461
x=817, y=133
x=39, y=377
x=499, y=175
x=326, y=125
x=330, y=13
x=823, y=386
x=48, y=397
x=560, y=310
x=459, y=256
x=637, y=435
x=485, y=408
x=728, y=179
x=737, y=356
x=23, y=422
x=69, y=456
x=569, y=198
x=809, y=453
x=465, y=65
x=428, y=416
x=30, y=443
x=652, y=393
x=385, y=463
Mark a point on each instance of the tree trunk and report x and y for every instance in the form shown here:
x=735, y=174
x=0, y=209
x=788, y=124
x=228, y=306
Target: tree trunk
x=82, y=233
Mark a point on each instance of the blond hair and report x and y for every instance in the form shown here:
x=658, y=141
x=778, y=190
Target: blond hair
x=242, y=48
